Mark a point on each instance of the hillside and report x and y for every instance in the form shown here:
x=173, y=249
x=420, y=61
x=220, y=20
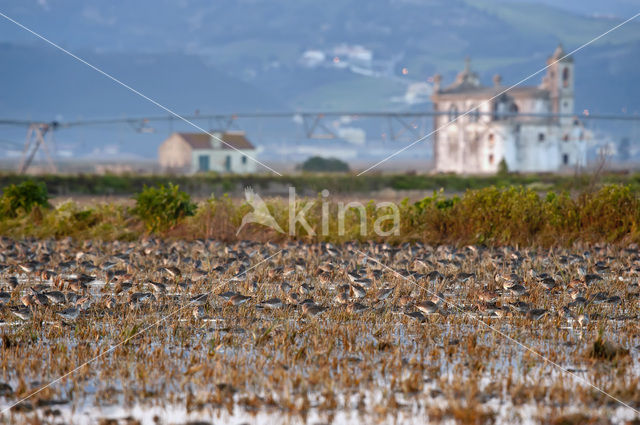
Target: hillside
x=40, y=82
x=245, y=55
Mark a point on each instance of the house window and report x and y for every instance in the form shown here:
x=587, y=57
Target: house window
x=474, y=115
x=227, y=163
x=501, y=108
x=565, y=77
x=540, y=137
x=203, y=163
x=491, y=140
x=244, y=160
x=490, y=159
x=453, y=112
x=565, y=159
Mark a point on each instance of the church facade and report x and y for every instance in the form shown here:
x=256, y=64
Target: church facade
x=480, y=125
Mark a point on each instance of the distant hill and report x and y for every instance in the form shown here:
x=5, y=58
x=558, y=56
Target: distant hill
x=41, y=82
x=244, y=55
x=148, y=42
x=609, y=8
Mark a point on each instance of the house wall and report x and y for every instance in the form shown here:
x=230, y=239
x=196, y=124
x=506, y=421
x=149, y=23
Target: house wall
x=476, y=146
x=464, y=146
x=174, y=154
x=576, y=146
x=548, y=155
x=532, y=105
x=217, y=159
x=537, y=155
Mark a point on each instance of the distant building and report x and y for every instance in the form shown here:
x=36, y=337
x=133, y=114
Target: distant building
x=341, y=56
x=417, y=93
x=478, y=141
x=199, y=152
x=356, y=55
x=313, y=58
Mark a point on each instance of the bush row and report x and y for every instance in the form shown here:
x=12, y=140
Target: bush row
x=489, y=216
x=206, y=184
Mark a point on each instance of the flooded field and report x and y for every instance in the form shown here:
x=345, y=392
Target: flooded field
x=204, y=332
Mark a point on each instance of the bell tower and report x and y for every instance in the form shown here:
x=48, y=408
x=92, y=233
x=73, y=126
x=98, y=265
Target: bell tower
x=559, y=81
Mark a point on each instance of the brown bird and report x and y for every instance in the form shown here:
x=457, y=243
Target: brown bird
x=342, y=298
x=238, y=299
x=312, y=309
x=355, y=308
x=357, y=290
x=427, y=307
x=172, y=271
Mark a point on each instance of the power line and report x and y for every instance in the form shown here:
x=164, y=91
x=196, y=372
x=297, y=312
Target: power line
x=320, y=114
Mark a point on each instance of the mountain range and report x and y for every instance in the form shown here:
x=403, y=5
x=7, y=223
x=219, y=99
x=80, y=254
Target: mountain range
x=225, y=57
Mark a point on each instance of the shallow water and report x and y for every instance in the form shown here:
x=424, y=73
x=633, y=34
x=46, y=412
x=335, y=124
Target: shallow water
x=242, y=364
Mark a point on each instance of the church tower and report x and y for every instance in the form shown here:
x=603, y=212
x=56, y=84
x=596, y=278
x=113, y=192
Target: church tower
x=559, y=81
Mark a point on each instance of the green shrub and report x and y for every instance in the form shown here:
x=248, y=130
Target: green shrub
x=161, y=208
x=503, y=168
x=319, y=164
x=21, y=198
x=609, y=213
x=437, y=200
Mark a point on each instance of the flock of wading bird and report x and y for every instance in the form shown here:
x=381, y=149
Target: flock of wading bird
x=300, y=301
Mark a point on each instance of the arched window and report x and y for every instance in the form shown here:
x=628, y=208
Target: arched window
x=453, y=112
x=513, y=109
x=565, y=77
x=474, y=115
x=500, y=108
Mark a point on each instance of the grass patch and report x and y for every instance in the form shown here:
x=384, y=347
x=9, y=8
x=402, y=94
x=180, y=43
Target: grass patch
x=490, y=216
x=162, y=207
x=604, y=350
x=337, y=183
x=23, y=197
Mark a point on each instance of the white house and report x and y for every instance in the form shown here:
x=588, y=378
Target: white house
x=199, y=152
x=477, y=142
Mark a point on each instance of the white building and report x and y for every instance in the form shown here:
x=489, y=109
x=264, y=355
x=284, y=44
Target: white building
x=356, y=55
x=313, y=58
x=199, y=152
x=477, y=142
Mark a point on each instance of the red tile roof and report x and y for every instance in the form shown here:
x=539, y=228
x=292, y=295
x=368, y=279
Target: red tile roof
x=236, y=139
x=232, y=139
x=197, y=140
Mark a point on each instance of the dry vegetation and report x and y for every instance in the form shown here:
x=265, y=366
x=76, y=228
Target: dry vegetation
x=300, y=331
x=174, y=312
x=490, y=216
x=336, y=183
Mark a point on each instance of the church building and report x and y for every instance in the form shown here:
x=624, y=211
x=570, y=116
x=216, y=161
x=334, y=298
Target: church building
x=531, y=127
